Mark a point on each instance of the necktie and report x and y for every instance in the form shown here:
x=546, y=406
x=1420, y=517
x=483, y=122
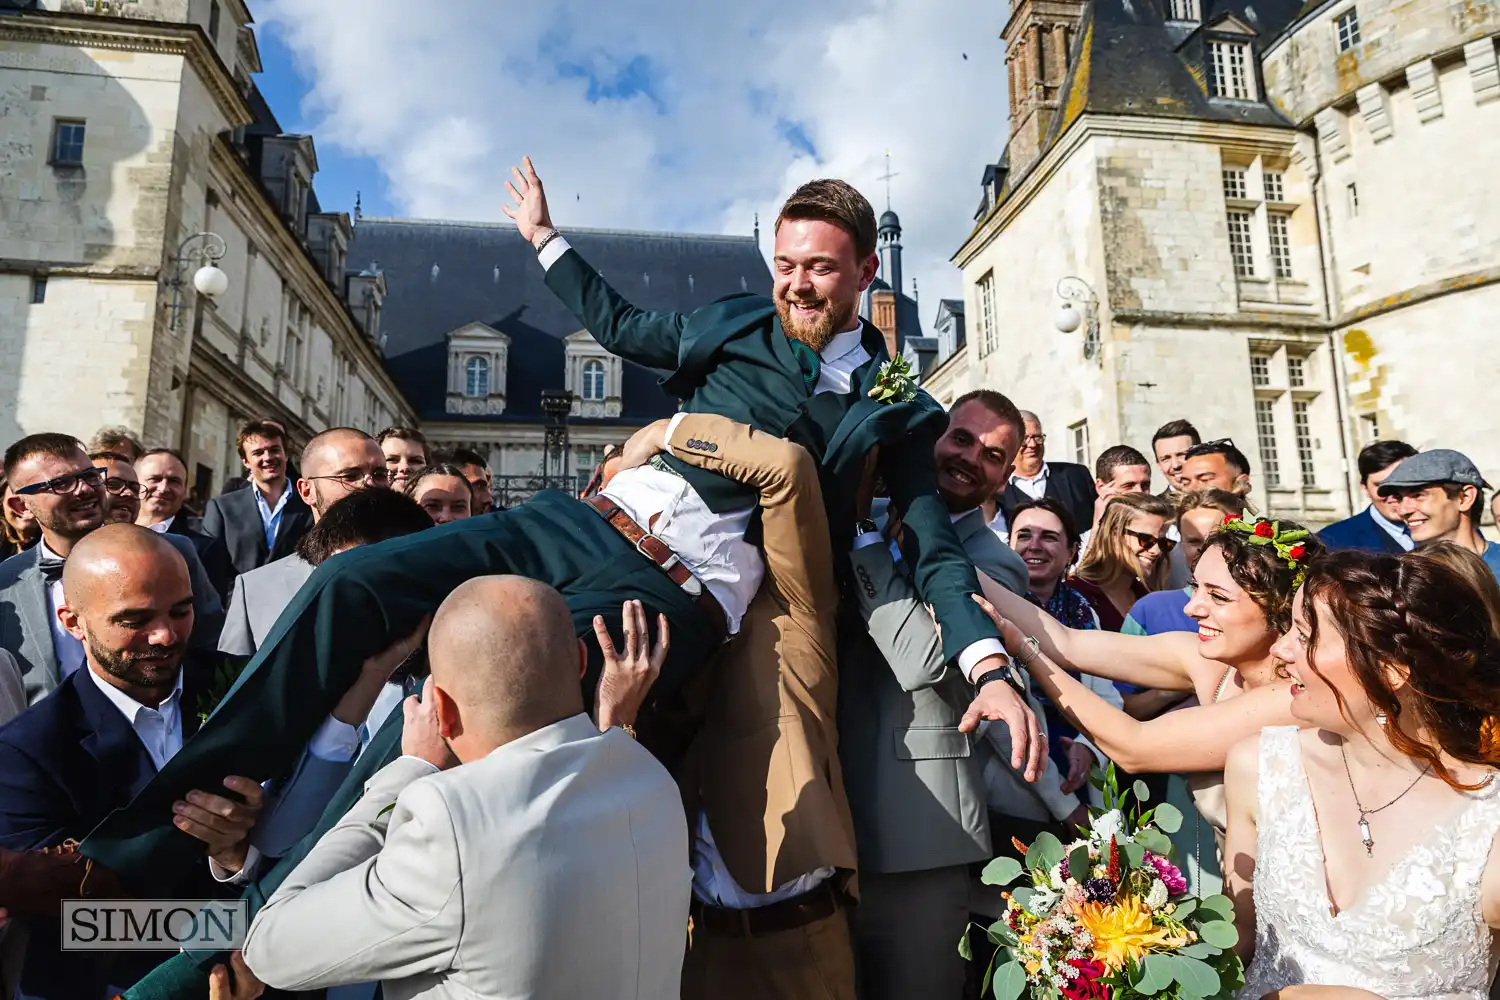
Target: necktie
x=809, y=361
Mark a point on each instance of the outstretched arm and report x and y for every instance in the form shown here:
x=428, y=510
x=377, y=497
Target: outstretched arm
x=1192, y=739
x=1164, y=661
x=645, y=337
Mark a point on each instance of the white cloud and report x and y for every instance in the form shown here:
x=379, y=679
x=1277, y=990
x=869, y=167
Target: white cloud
x=444, y=97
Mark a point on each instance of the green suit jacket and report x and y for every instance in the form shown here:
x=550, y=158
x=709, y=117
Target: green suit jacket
x=732, y=358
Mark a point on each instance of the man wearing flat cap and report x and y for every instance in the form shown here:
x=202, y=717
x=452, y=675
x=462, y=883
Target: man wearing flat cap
x=1440, y=496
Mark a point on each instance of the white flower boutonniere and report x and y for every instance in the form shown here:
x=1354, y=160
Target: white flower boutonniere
x=893, y=383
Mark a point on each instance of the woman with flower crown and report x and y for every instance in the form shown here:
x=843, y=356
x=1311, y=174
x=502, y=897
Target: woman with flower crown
x=1361, y=846
x=1244, y=584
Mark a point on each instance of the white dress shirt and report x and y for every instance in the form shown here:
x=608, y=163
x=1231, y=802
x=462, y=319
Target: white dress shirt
x=270, y=517
x=1395, y=529
x=1033, y=486
x=162, y=527
x=159, y=728
x=999, y=525
x=69, y=650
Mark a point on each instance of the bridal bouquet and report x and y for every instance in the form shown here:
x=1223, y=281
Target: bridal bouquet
x=1107, y=917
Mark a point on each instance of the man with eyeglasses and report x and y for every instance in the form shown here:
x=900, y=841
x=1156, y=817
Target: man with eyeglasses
x=334, y=464
x=1035, y=477
x=53, y=478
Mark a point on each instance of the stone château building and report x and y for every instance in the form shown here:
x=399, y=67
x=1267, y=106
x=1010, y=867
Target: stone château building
x=1282, y=221
x=127, y=127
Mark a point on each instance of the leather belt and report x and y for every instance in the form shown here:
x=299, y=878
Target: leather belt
x=788, y=914
x=661, y=554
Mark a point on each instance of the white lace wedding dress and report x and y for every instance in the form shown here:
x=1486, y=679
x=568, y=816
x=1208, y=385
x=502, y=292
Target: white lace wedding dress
x=1417, y=934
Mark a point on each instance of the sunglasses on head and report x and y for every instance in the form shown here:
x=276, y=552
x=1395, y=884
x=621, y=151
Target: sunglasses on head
x=1149, y=541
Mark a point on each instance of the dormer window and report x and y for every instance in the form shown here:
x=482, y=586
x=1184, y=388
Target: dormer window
x=477, y=356
x=1232, y=71
x=593, y=381
x=1184, y=10
x=477, y=377
x=593, y=376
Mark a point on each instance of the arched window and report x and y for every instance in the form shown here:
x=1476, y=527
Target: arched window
x=593, y=380
x=477, y=377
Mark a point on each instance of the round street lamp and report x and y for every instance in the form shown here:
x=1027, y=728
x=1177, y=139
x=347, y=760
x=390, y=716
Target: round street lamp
x=1080, y=308
x=207, y=249
x=211, y=281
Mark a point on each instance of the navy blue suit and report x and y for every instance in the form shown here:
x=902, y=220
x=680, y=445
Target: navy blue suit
x=65, y=764
x=1359, y=532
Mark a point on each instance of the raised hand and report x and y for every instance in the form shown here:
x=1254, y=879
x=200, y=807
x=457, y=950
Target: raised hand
x=645, y=444
x=223, y=823
x=356, y=703
x=244, y=986
x=530, y=213
x=422, y=735
x=628, y=674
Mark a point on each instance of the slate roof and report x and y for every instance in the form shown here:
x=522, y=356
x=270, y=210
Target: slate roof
x=1128, y=59
x=487, y=273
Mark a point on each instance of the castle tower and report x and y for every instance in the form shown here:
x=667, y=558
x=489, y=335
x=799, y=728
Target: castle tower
x=1038, y=39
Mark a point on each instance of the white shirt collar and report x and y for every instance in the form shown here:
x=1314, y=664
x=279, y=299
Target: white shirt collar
x=1385, y=522
x=45, y=553
x=843, y=343
x=1030, y=479
x=128, y=706
x=161, y=527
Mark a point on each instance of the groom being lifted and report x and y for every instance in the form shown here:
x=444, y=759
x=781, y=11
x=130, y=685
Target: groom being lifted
x=799, y=366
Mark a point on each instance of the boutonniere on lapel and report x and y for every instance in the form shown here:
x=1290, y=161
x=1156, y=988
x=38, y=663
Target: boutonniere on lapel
x=893, y=383
x=225, y=674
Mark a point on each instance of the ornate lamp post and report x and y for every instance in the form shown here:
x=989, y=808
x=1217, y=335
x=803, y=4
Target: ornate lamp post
x=207, y=279
x=557, y=404
x=1080, y=306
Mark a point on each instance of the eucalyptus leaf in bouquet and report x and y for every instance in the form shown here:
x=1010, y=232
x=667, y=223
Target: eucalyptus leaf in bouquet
x=1107, y=916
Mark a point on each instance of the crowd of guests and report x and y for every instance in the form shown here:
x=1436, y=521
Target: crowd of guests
x=826, y=676
x=1086, y=551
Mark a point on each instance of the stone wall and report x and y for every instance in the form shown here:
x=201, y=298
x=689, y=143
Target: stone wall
x=1408, y=140
x=1055, y=234
x=82, y=356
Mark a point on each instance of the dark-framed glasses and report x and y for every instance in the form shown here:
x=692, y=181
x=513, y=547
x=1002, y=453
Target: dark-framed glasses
x=1149, y=541
x=92, y=477
x=122, y=487
x=357, y=477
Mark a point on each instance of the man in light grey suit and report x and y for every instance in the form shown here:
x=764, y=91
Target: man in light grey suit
x=334, y=464
x=551, y=863
x=916, y=784
x=52, y=478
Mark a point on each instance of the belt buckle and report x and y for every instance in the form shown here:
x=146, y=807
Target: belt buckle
x=692, y=584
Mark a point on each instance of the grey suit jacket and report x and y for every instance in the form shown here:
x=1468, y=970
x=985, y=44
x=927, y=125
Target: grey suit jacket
x=258, y=599
x=12, y=692
x=555, y=868
x=26, y=624
x=916, y=784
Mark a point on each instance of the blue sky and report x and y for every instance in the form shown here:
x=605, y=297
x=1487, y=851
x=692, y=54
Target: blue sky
x=341, y=174
x=668, y=115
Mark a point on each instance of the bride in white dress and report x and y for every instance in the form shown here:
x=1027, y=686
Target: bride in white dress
x=1360, y=850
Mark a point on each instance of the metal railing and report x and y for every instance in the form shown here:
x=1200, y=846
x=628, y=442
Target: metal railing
x=512, y=490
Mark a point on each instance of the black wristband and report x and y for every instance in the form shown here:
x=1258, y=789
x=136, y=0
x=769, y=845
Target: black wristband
x=1006, y=673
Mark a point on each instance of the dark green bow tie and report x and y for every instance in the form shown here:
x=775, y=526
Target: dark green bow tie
x=810, y=361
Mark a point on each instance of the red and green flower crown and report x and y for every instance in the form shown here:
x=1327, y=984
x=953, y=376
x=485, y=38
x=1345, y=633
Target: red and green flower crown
x=1289, y=544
